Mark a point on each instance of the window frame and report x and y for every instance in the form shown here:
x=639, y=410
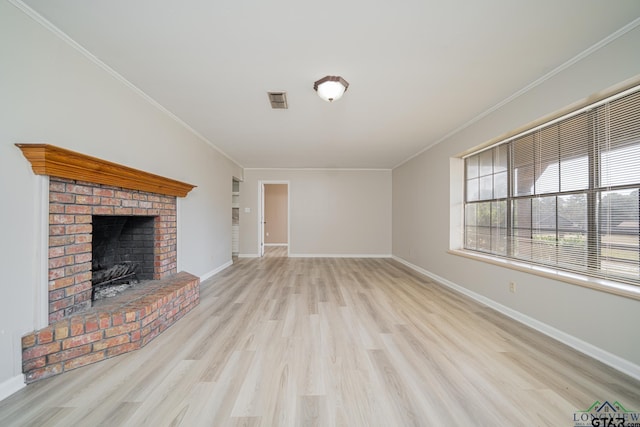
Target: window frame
x=619, y=285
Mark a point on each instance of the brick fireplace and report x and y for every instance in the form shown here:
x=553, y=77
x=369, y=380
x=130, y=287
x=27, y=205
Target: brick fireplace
x=84, y=191
x=72, y=205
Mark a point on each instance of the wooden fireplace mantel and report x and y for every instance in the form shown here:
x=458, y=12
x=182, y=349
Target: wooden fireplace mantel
x=54, y=161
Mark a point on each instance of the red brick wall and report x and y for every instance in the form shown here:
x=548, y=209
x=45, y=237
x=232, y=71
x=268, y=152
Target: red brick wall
x=71, y=206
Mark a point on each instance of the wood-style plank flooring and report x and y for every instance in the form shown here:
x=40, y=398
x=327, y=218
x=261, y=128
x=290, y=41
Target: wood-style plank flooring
x=349, y=342
x=275, y=251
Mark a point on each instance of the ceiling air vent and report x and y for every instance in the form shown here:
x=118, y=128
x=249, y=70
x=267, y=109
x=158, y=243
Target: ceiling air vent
x=278, y=100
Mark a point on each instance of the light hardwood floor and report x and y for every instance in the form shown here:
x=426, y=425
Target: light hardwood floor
x=275, y=251
x=351, y=342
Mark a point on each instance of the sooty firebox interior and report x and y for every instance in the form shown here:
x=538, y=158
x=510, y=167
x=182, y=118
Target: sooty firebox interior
x=122, y=253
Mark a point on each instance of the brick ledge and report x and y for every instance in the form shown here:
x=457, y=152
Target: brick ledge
x=119, y=325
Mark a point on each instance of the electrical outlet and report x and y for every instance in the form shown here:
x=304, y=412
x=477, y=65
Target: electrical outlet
x=512, y=287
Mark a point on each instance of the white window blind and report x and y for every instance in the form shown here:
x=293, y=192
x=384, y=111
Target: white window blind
x=565, y=194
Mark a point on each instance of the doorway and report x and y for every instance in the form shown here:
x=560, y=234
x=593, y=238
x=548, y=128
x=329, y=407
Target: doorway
x=235, y=219
x=274, y=218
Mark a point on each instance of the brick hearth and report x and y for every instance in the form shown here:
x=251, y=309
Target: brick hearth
x=119, y=325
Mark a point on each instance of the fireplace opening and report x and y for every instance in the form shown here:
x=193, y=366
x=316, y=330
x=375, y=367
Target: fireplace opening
x=122, y=253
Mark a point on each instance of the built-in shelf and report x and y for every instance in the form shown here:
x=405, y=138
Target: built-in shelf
x=50, y=160
x=235, y=218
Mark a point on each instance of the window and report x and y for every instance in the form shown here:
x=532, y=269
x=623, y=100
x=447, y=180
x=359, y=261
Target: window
x=565, y=194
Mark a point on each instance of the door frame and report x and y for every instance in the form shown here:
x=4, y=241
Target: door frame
x=261, y=184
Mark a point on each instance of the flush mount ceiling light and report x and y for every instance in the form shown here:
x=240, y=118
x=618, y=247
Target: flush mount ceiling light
x=331, y=88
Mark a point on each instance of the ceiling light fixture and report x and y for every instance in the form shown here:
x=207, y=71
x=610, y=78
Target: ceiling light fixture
x=331, y=88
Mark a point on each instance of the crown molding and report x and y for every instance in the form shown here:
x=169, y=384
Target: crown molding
x=319, y=169
x=585, y=53
x=31, y=13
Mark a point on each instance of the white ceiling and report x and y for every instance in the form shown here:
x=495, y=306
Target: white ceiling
x=418, y=69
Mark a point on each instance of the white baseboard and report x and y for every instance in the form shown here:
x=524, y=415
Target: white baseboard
x=291, y=255
x=216, y=271
x=277, y=244
x=10, y=386
x=339, y=255
x=248, y=256
x=597, y=353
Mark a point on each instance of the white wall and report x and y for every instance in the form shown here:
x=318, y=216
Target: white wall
x=51, y=93
x=333, y=212
x=421, y=201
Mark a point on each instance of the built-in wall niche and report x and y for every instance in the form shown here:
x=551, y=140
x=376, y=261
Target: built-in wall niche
x=235, y=218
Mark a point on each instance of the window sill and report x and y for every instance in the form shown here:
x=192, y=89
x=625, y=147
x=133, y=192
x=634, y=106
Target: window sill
x=609, y=286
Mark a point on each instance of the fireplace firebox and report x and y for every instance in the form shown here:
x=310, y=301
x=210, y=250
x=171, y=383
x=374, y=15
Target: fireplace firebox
x=122, y=251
